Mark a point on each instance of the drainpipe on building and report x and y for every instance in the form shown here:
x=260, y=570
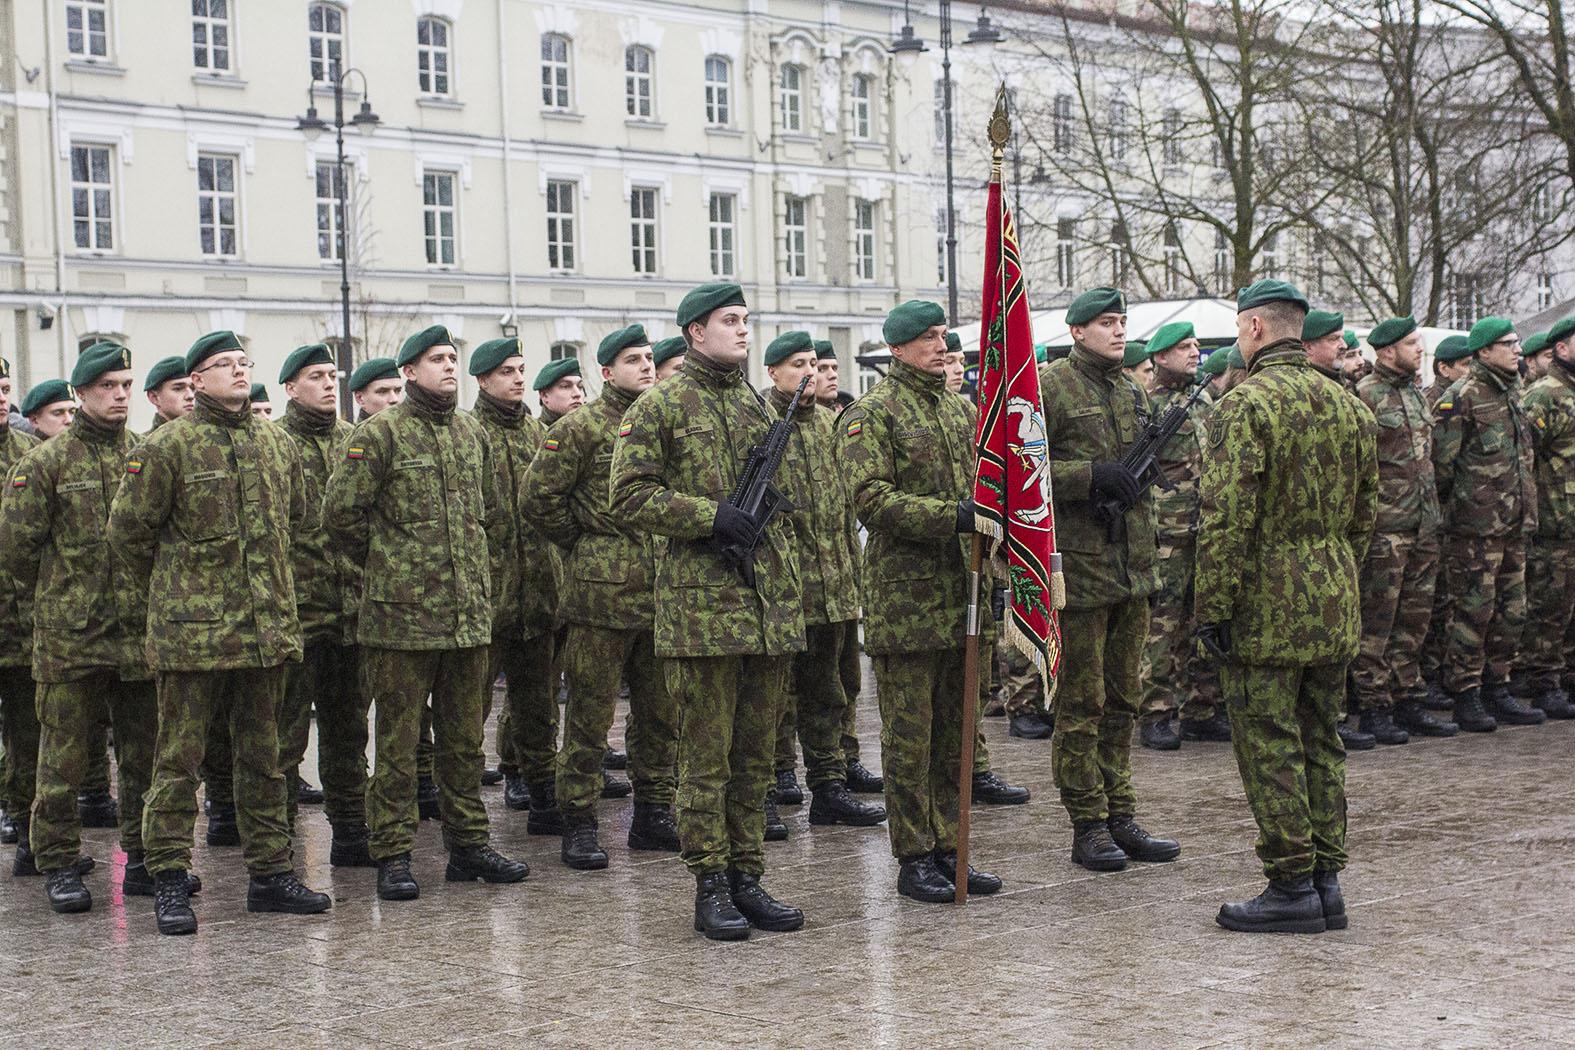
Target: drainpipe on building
x=54, y=189
x=508, y=148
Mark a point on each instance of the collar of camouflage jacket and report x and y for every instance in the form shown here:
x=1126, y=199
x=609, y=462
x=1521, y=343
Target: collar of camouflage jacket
x=619, y=398
x=781, y=399
x=211, y=411
x=1565, y=371
x=1501, y=378
x=709, y=372
x=1279, y=352
x=918, y=379
x=1394, y=378
x=501, y=412
x=1096, y=366
x=1328, y=373
x=97, y=431
x=424, y=403
x=309, y=420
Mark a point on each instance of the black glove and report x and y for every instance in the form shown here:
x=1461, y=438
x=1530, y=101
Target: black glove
x=998, y=603
x=731, y=528
x=965, y=511
x=1113, y=481
x=1214, y=640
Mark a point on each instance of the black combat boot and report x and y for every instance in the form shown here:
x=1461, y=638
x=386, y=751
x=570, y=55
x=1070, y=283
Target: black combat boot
x=763, y=911
x=172, y=903
x=1417, y=720
x=615, y=787
x=1381, y=724
x=980, y=883
x=1028, y=726
x=307, y=795
x=716, y=915
x=428, y=806
x=516, y=793
x=1470, y=715
x=612, y=758
x=1555, y=703
x=350, y=847
x=545, y=816
x=1354, y=739
x=1506, y=709
x=66, y=893
x=222, y=828
x=1327, y=883
x=25, y=867
x=653, y=828
x=394, y=881
x=472, y=863
x=98, y=809
x=1158, y=734
x=776, y=831
x=1214, y=729
x=993, y=791
x=921, y=879
x=1285, y=906
x=137, y=881
x=833, y=803
x=286, y=893
x=788, y=791
x=491, y=777
x=1094, y=849
x=1138, y=844
x=861, y=781
x=580, y=849
x=1437, y=699
x=7, y=829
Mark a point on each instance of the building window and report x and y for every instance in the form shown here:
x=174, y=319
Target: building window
x=216, y=204
x=795, y=228
x=1066, y=252
x=437, y=214
x=330, y=189
x=1222, y=264
x=637, y=81
x=92, y=191
x=1269, y=261
x=1061, y=125
x=434, y=56
x=325, y=34
x=940, y=112
x=863, y=107
x=1172, y=133
x=1172, y=258
x=642, y=229
x=718, y=91
x=210, y=35
x=1120, y=253
x=560, y=226
x=1542, y=204
x=555, y=71
x=723, y=208
x=792, y=98
x=1118, y=131
x=864, y=240
x=1463, y=299
x=87, y=28
x=940, y=245
x=1544, y=291
x=563, y=351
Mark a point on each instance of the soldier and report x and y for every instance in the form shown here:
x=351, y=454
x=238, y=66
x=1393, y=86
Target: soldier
x=414, y=503
x=1290, y=492
x=262, y=408
x=169, y=391
x=668, y=356
x=907, y=447
x=607, y=602
x=1175, y=679
x=1213, y=371
x=1451, y=362
x=1235, y=368
x=826, y=367
x=1352, y=365
x=49, y=406
x=202, y=526
x=376, y=384
x=1550, y=559
x=326, y=676
x=1137, y=365
x=1537, y=353
x=18, y=711
x=725, y=640
x=1401, y=563
x=85, y=660
x=954, y=363
x=1484, y=461
x=560, y=389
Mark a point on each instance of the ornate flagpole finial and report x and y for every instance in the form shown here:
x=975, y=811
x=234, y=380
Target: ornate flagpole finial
x=1000, y=124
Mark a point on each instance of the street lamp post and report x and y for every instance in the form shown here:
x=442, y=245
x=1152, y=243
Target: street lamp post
x=364, y=120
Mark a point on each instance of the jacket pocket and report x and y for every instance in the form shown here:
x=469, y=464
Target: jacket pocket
x=209, y=502
x=601, y=559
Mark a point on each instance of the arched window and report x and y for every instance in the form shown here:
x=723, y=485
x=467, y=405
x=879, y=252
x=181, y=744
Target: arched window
x=718, y=91
x=639, y=65
x=434, y=56
x=325, y=37
x=792, y=98
x=555, y=71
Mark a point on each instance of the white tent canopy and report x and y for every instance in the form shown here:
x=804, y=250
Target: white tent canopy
x=1213, y=319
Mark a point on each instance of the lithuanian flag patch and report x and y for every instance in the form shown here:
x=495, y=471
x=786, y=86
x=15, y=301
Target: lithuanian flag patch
x=550, y=445
x=355, y=452
x=855, y=428
x=19, y=482
x=625, y=429
x=133, y=466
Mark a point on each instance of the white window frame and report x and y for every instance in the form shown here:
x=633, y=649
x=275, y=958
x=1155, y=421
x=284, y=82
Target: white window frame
x=557, y=73
x=563, y=225
x=433, y=211
x=215, y=51
x=99, y=196
x=719, y=92
x=644, y=229
x=1172, y=138
x=864, y=241
x=722, y=224
x=1544, y=291
x=210, y=206
x=327, y=208
x=1222, y=264
x=639, y=85
x=863, y=123
x=1120, y=254
x=1066, y=252
x=1119, y=132
x=1269, y=256
x=795, y=238
x=81, y=40
x=790, y=99
x=1172, y=252
x=320, y=43
x=1062, y=124
x=430, y=54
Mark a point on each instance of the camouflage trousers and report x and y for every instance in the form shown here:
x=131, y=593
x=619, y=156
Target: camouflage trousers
x=596, y=659
x=328, y=679
x=1283, y=728
x=528, y=723
x=69, y=719
x=1397, y=605
x=818, y=704
x=218, y=758
x=981, y=750
x=1175, y=677
x=19, y=734
x=1486, y=577
x=251, y=697
x=1550, y=596
x=851, y=675
x=397, y=683
x=1022, y=688
x=727, y=714
x=1095, y=708
x=920, y=698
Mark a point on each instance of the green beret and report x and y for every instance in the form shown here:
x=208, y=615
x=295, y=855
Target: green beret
x=619, y=341
x=493, y=353
x=5, y=368
x=1562, y=330
x=1534, y=344
x=1391, y=331
x=98, y=359
x=1488, y=331
x=301, y=356
x=421, y=342
x=698, y=304
x=669, y=348
x=1351, y=341
x=1094, y=302
x=1269, y=291
x=1235, y=359
x=46, y=393
x=1452, y=348
x=369, y=372
x=911, y=320
x=1169, y=335
x=1320, y=323
x=556, y=370
x=786, y=345
x=208, y=345
x=953, y=343
x=1136, y=354
x=824, y=351
x=163, y=371
x=1042, y=353
x=1214, y=364
x=259, y=394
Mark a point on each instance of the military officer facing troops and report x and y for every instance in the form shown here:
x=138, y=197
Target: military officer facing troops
x=168, y=389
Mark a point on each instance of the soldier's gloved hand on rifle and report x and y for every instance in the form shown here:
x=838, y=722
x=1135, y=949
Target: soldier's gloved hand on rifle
x=1113, y=481
x=731, y=526
x=1214, y=638
x=965, y=510
x=998, y=603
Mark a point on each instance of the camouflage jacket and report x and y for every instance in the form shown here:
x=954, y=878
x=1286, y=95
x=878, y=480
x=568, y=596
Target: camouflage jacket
x=1550, y=404
x=523, y=589
x=319, y=566
x=608, y=572
x=907, y=449
x=1407, y=494
x=1093, y=412
x=54, y=545
x=202, y=524
x=679, y=452
x=825, y=529
x=414, y=503
x=1483, y=458
x=1290, y=494
x=16, y=607
x=1434, y=394
x=1181, y=464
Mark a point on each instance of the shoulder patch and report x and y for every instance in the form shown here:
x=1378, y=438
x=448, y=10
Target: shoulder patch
x=1445, y=406
x=19, y=481
x=355, y=452
x=625, y=428
x=133, y=466
x=1216, y=430
x=853, y=421
x=550, y=445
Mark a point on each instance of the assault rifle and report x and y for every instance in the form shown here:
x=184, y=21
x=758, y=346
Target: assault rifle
x=1142, y=459
x=755, y=495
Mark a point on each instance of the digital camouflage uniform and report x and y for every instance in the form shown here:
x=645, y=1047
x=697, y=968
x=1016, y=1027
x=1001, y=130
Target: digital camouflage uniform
x=1401, y=561
x=414, y=502
x=1484, y=462
x=907, y=449
x=202, y=526
x=1093, y=413
x=1550, y=560
x=608, y=605
x=726, y=646
x=1290, y=494
x=851, y=675
x=18, y=708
